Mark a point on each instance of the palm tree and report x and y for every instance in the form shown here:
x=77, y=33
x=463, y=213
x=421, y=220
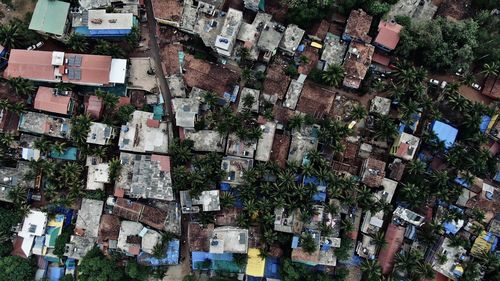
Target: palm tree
x=18, y=195
x=295, y=122
x=408, y=109
x=358, y=112
x=106, y=48
x=396, y=92
x=110, y=100
x=489, y=69
x=22, y=87
x=77, y=43
x=405, y=74
x=424, y=270
x=439, y=178
x=210, y=98
x=80, y=127
x=378, y=240
x=372, y=271
x=385, y=128
x=307, y=243
x=17, y=107
x=59, y=147
x=42, y=144
x=415, y=167
x=334, y=75
x=458, y=103
x=227, y=199
x=11, y=36
x=6, y=139
x=4, y=104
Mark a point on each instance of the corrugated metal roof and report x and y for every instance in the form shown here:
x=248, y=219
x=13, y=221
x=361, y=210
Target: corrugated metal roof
x=50, y=16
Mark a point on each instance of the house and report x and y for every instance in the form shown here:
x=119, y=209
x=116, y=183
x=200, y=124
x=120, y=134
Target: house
x=388, y=35
x=373, y=222
x=334, y=50
x=33, y=227
x=119, y=6
x=372, y=172
x=444, y=133
x=301, y=256
x=144, y=134
x=357, y=27
x=229, y=239
x=208, y=199
x=304, y=140
x=235, y=167
x=109, y=230
x=265, y=143
x=287, y=221
x=405, y=146
x=394, y=240
x=491, y=87
x=98, y=23
x=291, y=39
x=142, y=75
x=101, y=134
x=254, y=5
x=408, y=216
x=186, y=110
x=52, y=232
x=254, y=107
x=94, y=106
x=14, y=177
x=315, y=100
x=356, y=63
x=170, y=257
x=54, y=101
x=9, y=122
x=50, y=17
x=145, y=176
x=417, y=10
x=240, y=148
x=255, y=263
x=57, y=67
x=167, y=12
x=452, y=268
x=276, y=81
x=27, y=146
x=89, y=216
x=279, y=150
x=270, y=39
x=79, y=246
x=250, y=33
x=206, y=140
x=225, y=41
x=380, y=105
x=42, y=124
x=293, y=94
x=97, y=176
x=198, y=236
x=134, y=238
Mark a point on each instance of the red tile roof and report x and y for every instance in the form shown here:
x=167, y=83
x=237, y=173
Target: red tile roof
x=109, y=228
x=164, y=162
x=388, y=34
x=491, y=87
x=134, y=250
x=94, y=107
x=356, y=64
x=153, y=123
x=381, y=59
x=315, y=100
x=394, y=239
x=119, y=192
x=358, y=25
x=279, y=151
x=46, y=100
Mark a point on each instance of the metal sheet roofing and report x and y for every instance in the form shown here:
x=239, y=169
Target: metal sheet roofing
x=445, y=133
x=50, y=16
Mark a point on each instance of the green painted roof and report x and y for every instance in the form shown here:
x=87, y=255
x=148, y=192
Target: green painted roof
x=50, y=16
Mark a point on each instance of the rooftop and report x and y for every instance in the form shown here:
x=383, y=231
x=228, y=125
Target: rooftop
x=129, y=240
x=333, y=50
x=225, y=40
x=279, y=150
x=50, y=16
x=303, y=141
x=276, y=81
x=250, y=33
x=186, y=110
x=209, y=200
x=445, y=133
x=109, y=228
x=357, y=62
x=48, y=99
x=141, y=74
x=89, y=217
x=97, y=176
x=380, y=105
x=167, y=11
x=101, y=134
x=229, y=239
x=394, y=238
x=79, y=246
x=291, y=38
x=240, y=148
x=255, y=264
x=316, y=100
x=270, y=36
x=94, y=4
x=417, y=10
x=206, y=140
x=176, y=85
x=235, y=168
x=143, y=134
x=373, y=172
x=12, y=177
x=145, y=176
x=266, y=142
x=287, y=221
x=100, y=22
x=358, y=25
x=208, y=76
x=198, y=236
x=39, y=123
x=94, y=106
x=293, y=94
x=388, y=34
x=405, y=146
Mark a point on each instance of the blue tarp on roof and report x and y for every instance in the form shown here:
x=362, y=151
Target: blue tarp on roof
x=235, y=193
x=158, y=112
x=445, y=133
x=69, y=153
x=225, y=186
x=450, y=227
x=253, y=278
x=272, y=269
x=295, y=242
x=462, y=182
x=171, y=256
x=70, y=264
x=484, y=123
x=55, y=273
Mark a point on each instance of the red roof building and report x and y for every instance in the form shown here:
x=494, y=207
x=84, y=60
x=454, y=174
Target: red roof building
x=388, y=35
x=94, y=107
x=357, y=27
x=47, y=99
x=394, y=240
x=491, y=87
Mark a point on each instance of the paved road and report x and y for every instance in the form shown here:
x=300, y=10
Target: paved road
x=155, y=54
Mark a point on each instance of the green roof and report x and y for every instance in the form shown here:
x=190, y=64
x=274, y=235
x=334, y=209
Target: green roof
x=50, y=16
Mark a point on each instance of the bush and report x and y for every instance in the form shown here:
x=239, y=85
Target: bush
x=291, y=71
x=62, y=240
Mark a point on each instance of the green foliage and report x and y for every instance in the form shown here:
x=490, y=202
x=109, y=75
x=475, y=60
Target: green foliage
x=80, y=128
x=333, y=75
x=378, y=8
x=403, y=20
x=133, y=38
x=124, y=114
x=291, y=271
x=62, y=240
x=96, y=267
x=106, y=48
x=78, y=43
x=22, y=87
x=291, y=70
x=67, y=277
x=114, y=169
x=181, y=151
x=9, y=219
x=136, y=271
x=305, y=13
x=14, y=268
x=95, y=195
x=5, y=248
x=16, y=34
x=308, y=244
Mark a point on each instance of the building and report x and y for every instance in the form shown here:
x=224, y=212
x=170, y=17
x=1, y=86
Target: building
x=270, y=39
x=134, y=238
x=94, y=106
x=356, y=63
x=99, y=23
x=334, y=50
x=119, y=6
x=14, y=177
x=54, y=101
x=89, y=216
x=186, y=110
x=357, y=27
x=255, y=263
x=250, y=33
x=145, y=176
x=79, y=246
x=276, y=81
x=417, y=10
x=491, y=87
x=97, y=176
x=291, y=39
x=235, y=167
x=50, y=17
x=255, y=94
x=452, y=268
x=224, y=42
x=57, y=67
x=394, y=240
x=288, y=221
x=33, y=227
x=101, y=134
x=229, y=239
x=408, y=216
x=388, y=35
x=144, y=134
x=444, y=133
x=240, y=148
x=109, y=230
x=293, y=94
x=300, y=255
x=372, y=172
x=142, y=75
x=206, y=140
x=380, y=105
x=303, y=141
x=39, y=123
x=405, y=146
x=209, y=201
x=265, y=143
x=254, y=5
x=167, y=12
x=316, y=100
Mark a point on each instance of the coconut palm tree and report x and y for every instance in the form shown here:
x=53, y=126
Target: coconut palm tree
x=210, y=98
x=396, y=92
x=489, y=69
x=6, y=139
x=17, y=108
x=405, y=74
x=110, y=100
x=439, y=178
x=334, y=75
x=22, y=87
x=59, y=147
x=295, y=122
x=457, y=102
x=77, y=43
x=408, y=109
x=11, y=36
x=107, y=48
x=42, y=144
x=358, y=112
x=378, y=240
x=19, y=194
x=415, y=167
x=424, y=270
x=371, y=269
x=4, y=104
x=385, y=129
x=80, y=127
x=307, y=243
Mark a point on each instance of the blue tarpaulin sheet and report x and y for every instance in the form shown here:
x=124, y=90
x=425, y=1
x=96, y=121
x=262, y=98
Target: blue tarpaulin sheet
x=485, y=121
x=171, y=256
x=272, y=269
x=55, y=273
x=445, y=133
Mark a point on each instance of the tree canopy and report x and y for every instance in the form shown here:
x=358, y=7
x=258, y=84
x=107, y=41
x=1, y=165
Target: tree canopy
x=15, y=268
x=96, y=267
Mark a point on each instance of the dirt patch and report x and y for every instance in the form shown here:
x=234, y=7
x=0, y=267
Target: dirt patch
x=20, y=9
